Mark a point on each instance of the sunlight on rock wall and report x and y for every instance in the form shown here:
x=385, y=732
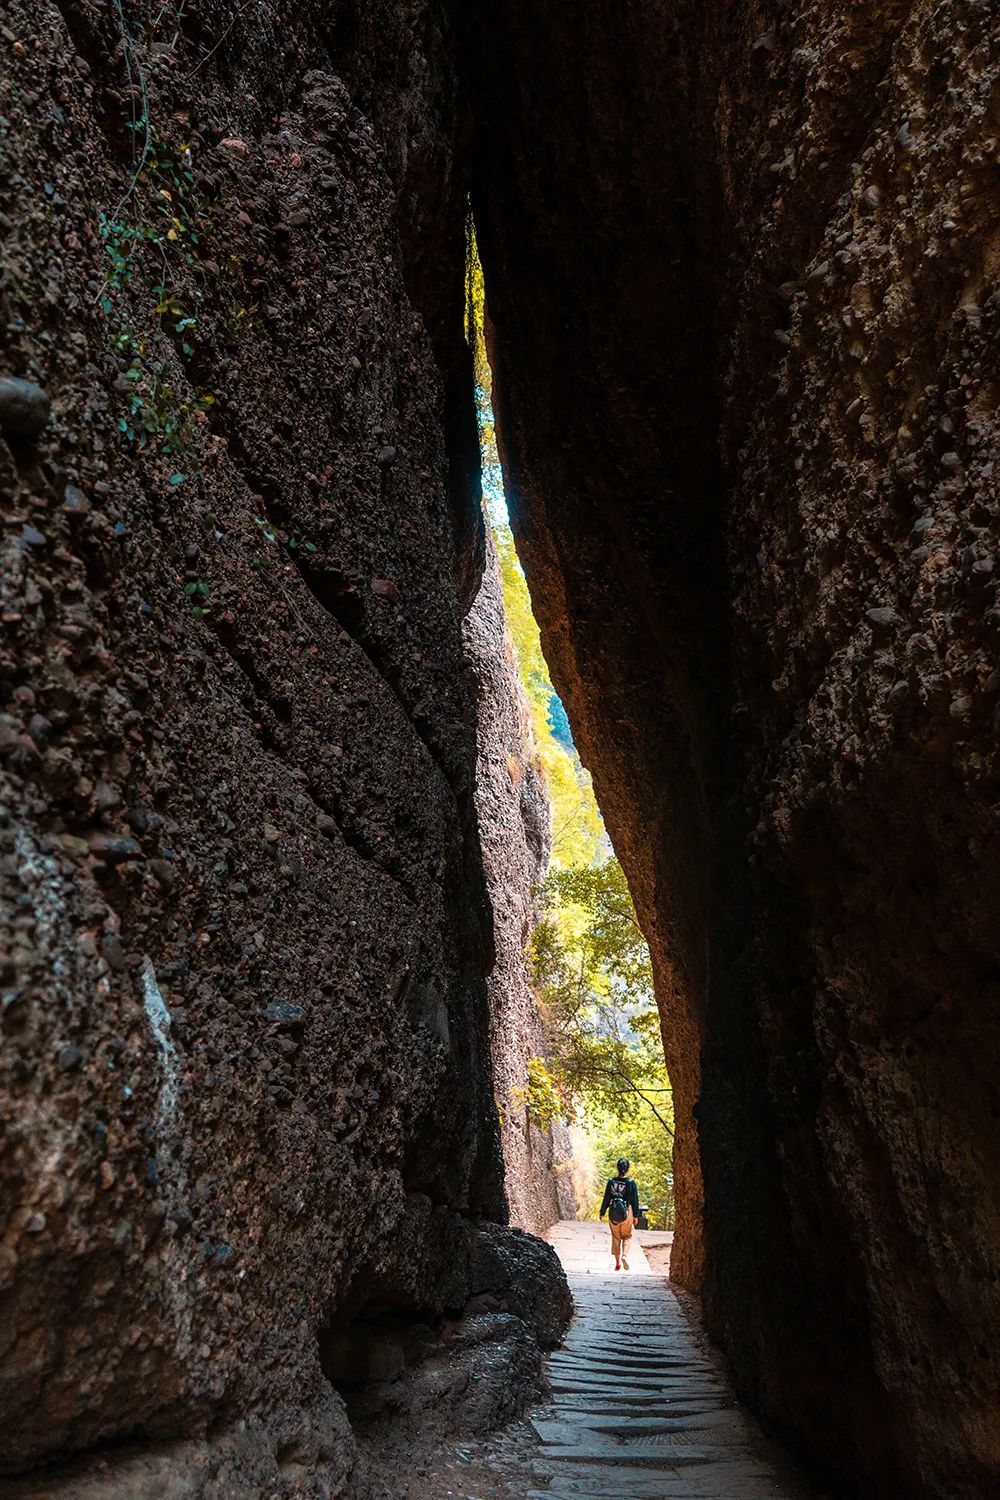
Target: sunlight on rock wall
x=602, y=1071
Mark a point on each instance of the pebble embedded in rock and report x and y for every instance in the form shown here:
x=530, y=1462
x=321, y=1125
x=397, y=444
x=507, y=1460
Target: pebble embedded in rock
x=140, y=818
x=881, y=618
x=24, y=408
x=116, y=849
x=284, y=1013
x=40, y=729
x=105, y=797
x=181, y=1220
x=75, y=501
x=164, y=872
x=112, y=951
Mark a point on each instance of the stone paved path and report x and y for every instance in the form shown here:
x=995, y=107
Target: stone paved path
x=639, y=1411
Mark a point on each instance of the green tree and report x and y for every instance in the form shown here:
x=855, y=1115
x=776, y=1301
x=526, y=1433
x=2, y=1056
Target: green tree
x=592, y=971
x=578, y=836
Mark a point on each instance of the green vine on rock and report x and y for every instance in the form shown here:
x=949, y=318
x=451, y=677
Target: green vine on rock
x=291, y=541
x=198, y=593
x=543, y=1098
x=151, y=242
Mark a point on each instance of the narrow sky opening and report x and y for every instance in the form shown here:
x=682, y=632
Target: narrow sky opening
x=590, y=964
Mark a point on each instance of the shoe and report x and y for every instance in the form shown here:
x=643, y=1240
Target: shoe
x=625, y=1264
x=618, y=1265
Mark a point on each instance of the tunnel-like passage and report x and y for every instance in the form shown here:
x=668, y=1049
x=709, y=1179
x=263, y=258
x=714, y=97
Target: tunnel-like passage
x=743, y=310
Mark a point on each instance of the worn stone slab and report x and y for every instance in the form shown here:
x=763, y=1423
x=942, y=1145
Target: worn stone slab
x=638, y=1407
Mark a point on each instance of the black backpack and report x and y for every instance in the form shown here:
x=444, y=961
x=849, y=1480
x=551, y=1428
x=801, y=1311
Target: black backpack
x=618, y=1207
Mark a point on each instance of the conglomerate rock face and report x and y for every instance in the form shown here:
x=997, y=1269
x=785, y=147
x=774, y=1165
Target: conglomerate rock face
x=741, y=267
x=245, y=926
x=513, y=813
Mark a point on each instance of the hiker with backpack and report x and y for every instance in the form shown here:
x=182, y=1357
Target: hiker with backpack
x=621, y=1204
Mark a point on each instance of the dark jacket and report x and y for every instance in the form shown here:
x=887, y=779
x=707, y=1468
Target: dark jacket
x=631, y=1194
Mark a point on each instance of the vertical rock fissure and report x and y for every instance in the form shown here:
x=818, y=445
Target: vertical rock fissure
x=742, y=274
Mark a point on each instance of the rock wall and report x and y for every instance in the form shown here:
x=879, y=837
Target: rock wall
x=606, y=428
x=740, y=262
x=862, y=541
x=515, y=831
x=741, y=266
x=246, y=1075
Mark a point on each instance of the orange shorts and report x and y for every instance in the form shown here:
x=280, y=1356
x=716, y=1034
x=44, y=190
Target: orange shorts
x=620, y=1234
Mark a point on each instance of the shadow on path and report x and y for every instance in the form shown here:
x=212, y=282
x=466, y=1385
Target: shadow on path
x=639, y=1408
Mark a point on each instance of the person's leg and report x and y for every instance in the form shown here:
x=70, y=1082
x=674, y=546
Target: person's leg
x=616, y=1245
x=626, y=1240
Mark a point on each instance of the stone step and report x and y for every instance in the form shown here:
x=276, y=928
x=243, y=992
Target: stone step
x=645, y=1415
x=609, y=1484
x=638, y=1409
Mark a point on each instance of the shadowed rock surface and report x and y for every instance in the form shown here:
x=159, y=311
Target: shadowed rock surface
x=742, y=276
x=246, y=1048
x=605, y=423
x=740, y=263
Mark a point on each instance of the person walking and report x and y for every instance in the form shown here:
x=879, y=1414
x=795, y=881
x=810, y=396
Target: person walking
x=621, y=1204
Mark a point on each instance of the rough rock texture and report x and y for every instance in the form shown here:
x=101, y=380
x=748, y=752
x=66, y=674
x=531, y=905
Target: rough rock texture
x=515, y=834
x=245, y=927
x=413, y=1384
x=742, y=267
x=741, y=263
x=863, y=536
x=463, y=1356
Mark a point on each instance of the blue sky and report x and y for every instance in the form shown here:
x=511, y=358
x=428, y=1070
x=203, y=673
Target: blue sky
x=495, y=501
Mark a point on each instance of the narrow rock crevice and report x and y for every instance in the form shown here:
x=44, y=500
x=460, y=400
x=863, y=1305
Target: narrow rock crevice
x=173, y=1288
x=268, y=859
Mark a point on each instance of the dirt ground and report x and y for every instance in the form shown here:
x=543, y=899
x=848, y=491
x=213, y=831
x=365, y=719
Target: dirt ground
x=657, y=1244
x=496, y=1467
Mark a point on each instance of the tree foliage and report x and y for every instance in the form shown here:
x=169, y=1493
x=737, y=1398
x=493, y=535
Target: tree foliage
x=578, y=836
x=542, y=1096
x=591, y=967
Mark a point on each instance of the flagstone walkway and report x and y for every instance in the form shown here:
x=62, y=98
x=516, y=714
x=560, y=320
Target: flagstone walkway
x=639, y=1410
